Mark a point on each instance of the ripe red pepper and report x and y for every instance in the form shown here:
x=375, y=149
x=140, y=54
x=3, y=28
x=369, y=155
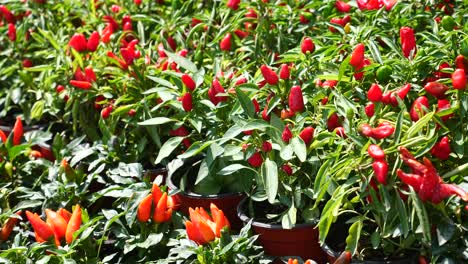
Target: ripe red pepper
x=187, y=102
x=461, y=62
x=375, y=93
x=307, y=134
x=84, y=85
x=42, y=230
x=296, y=101
x=333, y=122
x=342, y=7
x=106, y=111
x=443, y=104
x=286, y=135
x=365, y=130
x=336, y=21
x=12, y=31
x=284, y=72
x=307, y=45
x=74, y=224
x=7, y=228
x=436, y=89
x=179, y=132
x=459, y=79
x=265, y=115
x=402, y=92
x=256, y=105
x=18, y=131
x=3, y=137
x=285, y=114
x=270, y=76
x=27, y=63
x=89, y=74
x=266, y=146
x=9, y=17
x=225, y=44
x=216, y=89
x=408, y=41
x=340, y=132
x=78, y=42
x=441, y=149
x=380, y=170
x=357, y=57
x=58, y=224
x=256, y=160
x=93, y=41
x=369, y=109
x=359, y=73
x=233, y=4
x=188, y=82
x=162, y=212
x=417, y=108
x=286, y=168
x=382, y=131
x=375, y=152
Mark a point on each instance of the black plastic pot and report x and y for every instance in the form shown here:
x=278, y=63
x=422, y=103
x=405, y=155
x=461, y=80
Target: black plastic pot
x=301, y=240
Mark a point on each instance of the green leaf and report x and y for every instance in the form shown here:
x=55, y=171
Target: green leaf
x=167, y=148
x=299, y=148
x=418, y=126
x=375, y=51
x=352, y=241
x=421, y=213
x=403, y=216
x=152, y=240
x=161, y=82
x=232, y=169
x=156, y=121
x=269, y=174
x=289, y=219
x=37, y=110
x=182, y=62
x=246, y=103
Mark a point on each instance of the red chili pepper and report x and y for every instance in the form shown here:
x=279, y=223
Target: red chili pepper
x=89, y=74
x=336, y=21
x=256, y=105
x=286, y=168
x=93, y=41
x=285, y=114
x=417, y=108
x=375, y=152
x=266, y=146
x=144, y=209
x=340, y=132
x=58, y=224
x=187, y=102
x=402, y=92
x=459, y=79
x=233, y=4
x=307, y=134
x=106, y=112
x=265, y=115
x=284, y=72
x=296, y=101
x=188, y=82
x=12, y=31
x=365, y=130
x=18, y=131
x=461, y=62
x=436, y=89
x=74, y=224
x=333, y=122
x=443, y=104
x=369, y=109
x=84, y=85
x=357, y=57
x=286, y=135
x=179, y=132
x=8, y=227
x=344, y=258
x=65, y=214
x=9, y=17
x=42, y=230
x=256, y=160
x=380, y=170
x=162, y=212
x=213, y=92
x=441, y=149
x=225, y=43
x=78, y=42
x=408, y=41
x=3, y=137
x=375, y=93
x=269, y=75
x=307, y=45
x=342, y=7
x=382, y=131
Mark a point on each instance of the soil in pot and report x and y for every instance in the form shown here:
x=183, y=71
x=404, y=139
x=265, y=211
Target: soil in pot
x=301, y=240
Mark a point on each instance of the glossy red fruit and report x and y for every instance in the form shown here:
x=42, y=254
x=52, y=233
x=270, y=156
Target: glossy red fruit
x=188, y=82
x=106, y=111
x=461, y=62
x=370, y=109
x=307, y=134
x=417, y=108
x=357, y=57
x=286, y=168
x=459, y=79
x=187, y=102
x=296, y=100
x=284, y=71
x=270, y=76
x=333, y=122
x=286, y=135
x=436, y=89
x=266, y=146
x=27, y=63
x=375, y=152
x=78, y=42
x=408, y=41
x=384, y=130
x=365, y=130
x=256, y=160
x=342, y=7
x=340, y=132
x=375, y=93
x=233, y=4
x=380, y=171
x=441, y=149
x=307, y=45
x=93, y=41
x=443, y=104
x=225, y=44
x=12, y=32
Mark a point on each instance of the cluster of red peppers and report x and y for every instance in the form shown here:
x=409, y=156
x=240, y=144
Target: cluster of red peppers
x=159, y=203
x=203, y=228
x=379, y=165
x=426, y=181
x=59, y=225
x=383, y=130
x=187, y=98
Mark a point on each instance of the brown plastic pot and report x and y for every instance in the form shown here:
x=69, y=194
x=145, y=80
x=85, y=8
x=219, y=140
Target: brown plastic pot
x=227, y=202
x=301, y=240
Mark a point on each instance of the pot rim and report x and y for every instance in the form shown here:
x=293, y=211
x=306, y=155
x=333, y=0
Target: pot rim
x=242, y=216
x=193, y=195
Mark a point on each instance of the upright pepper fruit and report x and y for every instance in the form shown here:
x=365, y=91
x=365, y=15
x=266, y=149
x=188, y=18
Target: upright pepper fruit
x=144, y=209
x=93, y=41
x=202, y=228
x=187, y=102
x=18, y=131
x=307, y=134
x=225, y=44
x=408, y=41
x=256, y=160
x=284, y=71
x=380, y=167
x=357, y=57
x=441, y=149
x=74, y=224
x=269, y=75
x=3, y=137
x=286, y=135
x=307, y=45
x=296, y=101
x=417, y=108
x=375, y=93
x=58, y=224
x=459, y=79
x=42, y=230
x=78, y=42
x=188, y=82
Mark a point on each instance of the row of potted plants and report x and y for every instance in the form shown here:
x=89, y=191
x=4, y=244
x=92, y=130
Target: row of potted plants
x=318, y=124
